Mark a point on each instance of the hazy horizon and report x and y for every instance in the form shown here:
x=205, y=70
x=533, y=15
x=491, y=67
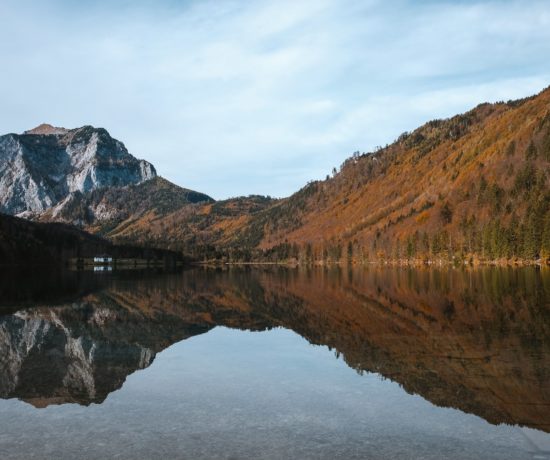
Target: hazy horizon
x=235, y=98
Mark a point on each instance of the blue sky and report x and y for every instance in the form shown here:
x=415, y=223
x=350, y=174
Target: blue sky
x=239, y=97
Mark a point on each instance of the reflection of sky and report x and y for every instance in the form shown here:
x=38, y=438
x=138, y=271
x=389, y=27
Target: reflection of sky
x=235, y=97
x=234, y=394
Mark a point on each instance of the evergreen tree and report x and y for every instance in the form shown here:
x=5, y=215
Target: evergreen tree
x=411, y=247
x=482, y=189
x=511, y=149
x=546, y=146
x=531, y=152
x=309, y=253
x=425, y=243
x=446, y=213
x=545, y=238
x=350, y=251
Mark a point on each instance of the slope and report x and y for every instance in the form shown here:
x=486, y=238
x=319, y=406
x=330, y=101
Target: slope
x=473, y=186
x=28, y=243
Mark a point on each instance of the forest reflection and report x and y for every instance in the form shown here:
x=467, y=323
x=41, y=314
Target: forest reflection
x=476, y=340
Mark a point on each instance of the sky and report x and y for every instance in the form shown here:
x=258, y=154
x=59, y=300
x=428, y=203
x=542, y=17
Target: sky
x=239, y=97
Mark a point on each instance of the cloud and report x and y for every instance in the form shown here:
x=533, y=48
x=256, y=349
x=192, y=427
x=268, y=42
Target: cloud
x=236, y=97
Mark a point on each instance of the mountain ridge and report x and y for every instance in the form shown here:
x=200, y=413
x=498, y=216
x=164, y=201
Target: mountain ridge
x=82, y=177
x=472, y=187
x=38, y=170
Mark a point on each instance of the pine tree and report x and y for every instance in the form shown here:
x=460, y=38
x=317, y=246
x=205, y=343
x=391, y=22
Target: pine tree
x=531, y=237
x=425, y=243
x=482, y=189
x=411, y=247
x=531, y=152
x=446, y=213
x=511, y=149
x=350, y=251
x=545, y=238
x=546, y=146
x=309, y=253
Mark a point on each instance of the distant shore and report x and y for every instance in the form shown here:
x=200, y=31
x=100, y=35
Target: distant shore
x=386, y=262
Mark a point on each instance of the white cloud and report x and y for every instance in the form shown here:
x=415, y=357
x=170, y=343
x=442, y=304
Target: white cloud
x=237, y=97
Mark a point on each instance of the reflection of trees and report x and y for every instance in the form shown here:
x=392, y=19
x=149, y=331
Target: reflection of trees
x=474, y=340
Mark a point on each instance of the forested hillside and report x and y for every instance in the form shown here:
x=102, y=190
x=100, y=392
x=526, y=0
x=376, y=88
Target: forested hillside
x=201, y=230
x=473, y=187
x=27, y=243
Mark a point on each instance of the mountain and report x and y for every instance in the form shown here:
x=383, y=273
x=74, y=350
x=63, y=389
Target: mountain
x=474, y=186
x=198, y=229
x=44, y=166
x=108, y=207
x=82, y=177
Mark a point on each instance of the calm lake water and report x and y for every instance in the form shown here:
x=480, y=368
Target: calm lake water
x=276, y=363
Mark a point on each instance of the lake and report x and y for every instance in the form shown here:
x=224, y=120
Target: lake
x=276, y=363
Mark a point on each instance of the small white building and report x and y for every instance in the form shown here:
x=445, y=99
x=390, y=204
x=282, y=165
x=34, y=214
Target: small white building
x=103, y=268
x=103, y=259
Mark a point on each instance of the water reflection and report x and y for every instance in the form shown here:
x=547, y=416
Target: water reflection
x=475, y=340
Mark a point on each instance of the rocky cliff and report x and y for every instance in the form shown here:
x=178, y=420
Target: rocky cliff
x=46, y=165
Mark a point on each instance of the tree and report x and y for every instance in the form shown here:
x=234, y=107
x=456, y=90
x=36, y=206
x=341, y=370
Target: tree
x=411, y=246
x=436, y=244
x=532, y=229
x=525, y=179
x=482, y=189
x=511, y=149
x=309, y=253
x=546, y=146
x=446, y=213
x=350, y=251
x=425, y=243
x=531, y=152
x=545, y=238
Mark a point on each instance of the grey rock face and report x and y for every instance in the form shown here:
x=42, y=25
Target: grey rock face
x=82, y=350
x=45, y=165
x=50, y=359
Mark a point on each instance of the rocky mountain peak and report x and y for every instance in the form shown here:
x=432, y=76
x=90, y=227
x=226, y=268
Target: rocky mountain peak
x=47, y=129
x=45, y=165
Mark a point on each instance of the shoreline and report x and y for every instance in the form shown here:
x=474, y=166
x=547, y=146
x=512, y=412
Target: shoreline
x=514, y=263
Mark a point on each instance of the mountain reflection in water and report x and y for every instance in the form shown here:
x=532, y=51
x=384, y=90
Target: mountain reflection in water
x=475, y=340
